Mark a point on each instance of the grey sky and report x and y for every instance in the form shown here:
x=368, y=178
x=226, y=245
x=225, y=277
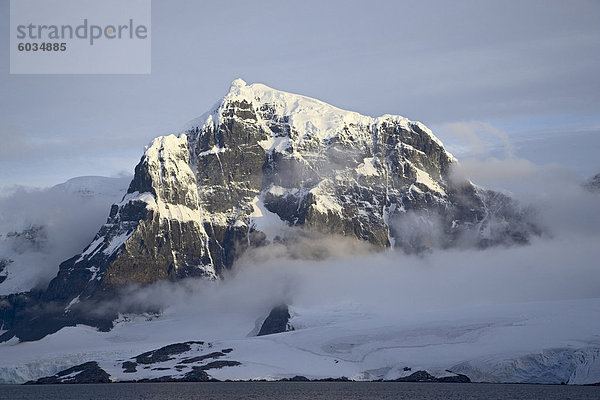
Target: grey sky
x=529, y=69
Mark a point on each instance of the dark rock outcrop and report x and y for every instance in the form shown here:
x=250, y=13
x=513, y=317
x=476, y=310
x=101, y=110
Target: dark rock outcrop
x=458, y=378
x=16, y=308
x=276, y=322
x=196, y=375
x=31, y=316
x=3, y=263
x=164, y=353
x=129, y=367
x=213, y=355
x=88, y=372
x=299, y=378
x=419, y=376
x=177, y=360
x=424, y=376
x=219, y=364
x=340, y=379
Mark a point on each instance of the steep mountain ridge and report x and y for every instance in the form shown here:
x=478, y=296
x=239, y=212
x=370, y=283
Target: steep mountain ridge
x=262, y=160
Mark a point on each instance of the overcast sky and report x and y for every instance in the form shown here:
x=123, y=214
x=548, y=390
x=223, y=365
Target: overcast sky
x=501, y=78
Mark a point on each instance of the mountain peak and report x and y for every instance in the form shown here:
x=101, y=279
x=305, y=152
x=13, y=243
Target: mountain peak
x=237, y=84
x=305, y=117
x=263, y=161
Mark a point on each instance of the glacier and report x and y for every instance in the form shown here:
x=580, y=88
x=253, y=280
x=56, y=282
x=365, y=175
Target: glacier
x=534, y=342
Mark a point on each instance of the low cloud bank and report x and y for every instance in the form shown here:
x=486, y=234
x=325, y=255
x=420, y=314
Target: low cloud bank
x=312, y=271
x=40, y=228
x=383, y=283
x=324, y=272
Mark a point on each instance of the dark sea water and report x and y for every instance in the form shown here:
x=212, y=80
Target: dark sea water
x=300, y=390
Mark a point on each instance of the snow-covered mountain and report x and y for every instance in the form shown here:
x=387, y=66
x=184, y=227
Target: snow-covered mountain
x=263, y=160
x=263, y=171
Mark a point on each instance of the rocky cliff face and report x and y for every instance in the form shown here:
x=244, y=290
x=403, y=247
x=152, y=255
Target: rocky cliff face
x=262, y=160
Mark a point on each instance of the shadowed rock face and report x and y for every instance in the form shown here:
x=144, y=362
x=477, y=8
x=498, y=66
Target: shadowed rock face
x=3, y=263
x=276, y=322
x=164, y=353
x=424, y=376
x=196, y=200
x=88, y=372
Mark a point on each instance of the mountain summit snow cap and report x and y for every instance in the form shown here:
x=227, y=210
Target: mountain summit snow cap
x=239, y=89
x=237, y=84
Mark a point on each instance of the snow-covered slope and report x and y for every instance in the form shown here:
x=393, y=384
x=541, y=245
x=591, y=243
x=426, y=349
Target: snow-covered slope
x=39, y=228
x=543, y=342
